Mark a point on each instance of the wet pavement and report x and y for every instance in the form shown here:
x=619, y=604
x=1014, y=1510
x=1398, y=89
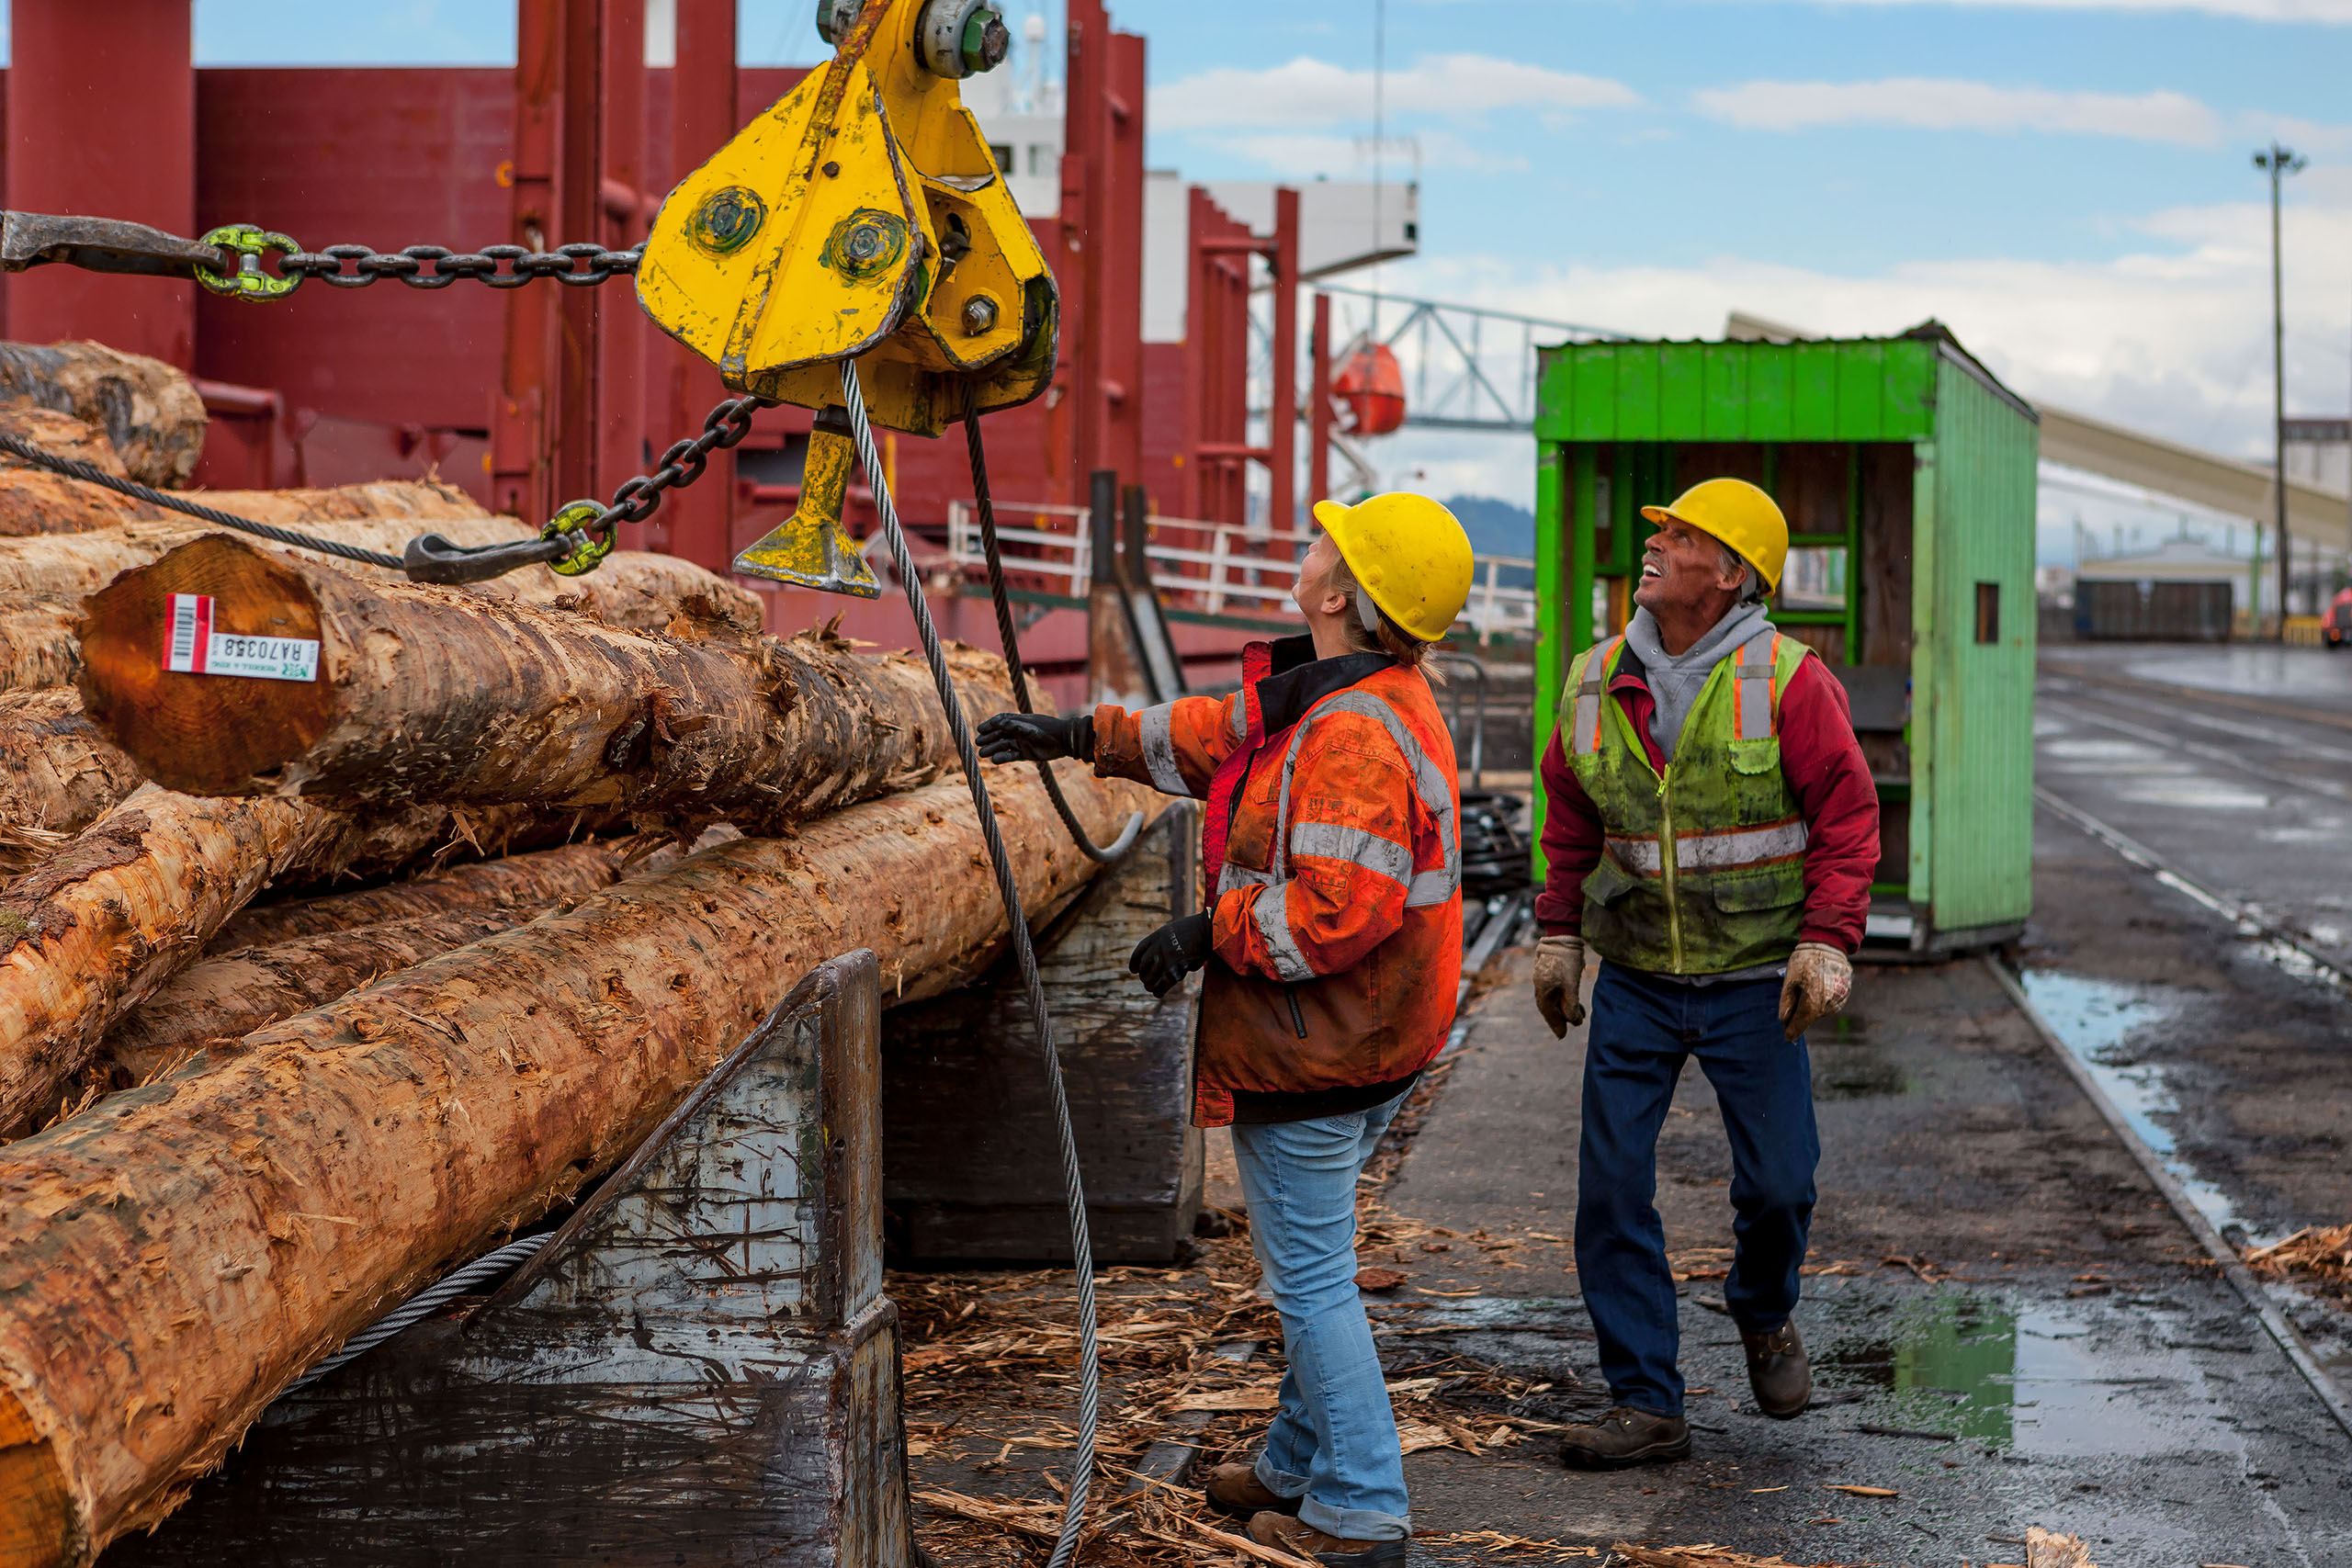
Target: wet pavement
x=2009, y=1324
x=2000, y=1286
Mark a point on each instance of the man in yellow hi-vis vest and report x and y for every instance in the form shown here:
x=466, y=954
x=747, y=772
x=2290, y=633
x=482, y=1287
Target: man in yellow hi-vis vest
x=1711, y=831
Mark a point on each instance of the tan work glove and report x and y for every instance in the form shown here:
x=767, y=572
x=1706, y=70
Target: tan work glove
x=1820, y=978
x=1559, y=981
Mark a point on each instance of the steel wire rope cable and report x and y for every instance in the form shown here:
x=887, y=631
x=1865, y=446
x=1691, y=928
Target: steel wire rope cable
x=457, y=1282
x=1005, y=635
x=1081, y=1247
x=75, y=469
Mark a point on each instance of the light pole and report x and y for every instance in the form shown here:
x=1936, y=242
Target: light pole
x=2278, y=163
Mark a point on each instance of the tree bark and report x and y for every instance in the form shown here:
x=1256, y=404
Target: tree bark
x=432, y=696
x=94, y=927
x=324, y=947
x=59, y=435
x=532, y=881
x=44, y=579
x=219, y=1000
x=171, y=1260
x=355, y=937
x=34, y=502
x=636, y=588
x=57, y=774
x=152, y=413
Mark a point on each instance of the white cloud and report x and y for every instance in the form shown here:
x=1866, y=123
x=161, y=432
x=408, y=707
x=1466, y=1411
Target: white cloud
x=1303, y=154
x=1309, y=93
x=2173, y=338
x=1942, y=103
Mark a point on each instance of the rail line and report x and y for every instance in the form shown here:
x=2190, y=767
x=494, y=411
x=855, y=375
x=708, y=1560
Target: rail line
x=2291, y=1343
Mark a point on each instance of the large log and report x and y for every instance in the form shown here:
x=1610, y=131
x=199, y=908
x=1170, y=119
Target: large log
x=35, y=502
x=352, y=938
x=57, y=774
x=217, y=1001
x=429, y=694
x=172, y=1259
x=59, y=435
x=44, y=579
x=96, y=927
x=534, y=881
x=152, y=413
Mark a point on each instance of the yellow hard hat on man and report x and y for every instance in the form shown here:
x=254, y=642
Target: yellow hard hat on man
x=1409, y=554
x=1735, y=513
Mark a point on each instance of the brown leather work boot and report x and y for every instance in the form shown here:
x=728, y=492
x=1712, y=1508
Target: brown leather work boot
x=1624, y=1438
x=1778, y=1371
x=1235, y=1491
x=1281, y=1529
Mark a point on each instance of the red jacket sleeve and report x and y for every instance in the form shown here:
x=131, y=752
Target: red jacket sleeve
x=1824, y=765
x=1571, y=844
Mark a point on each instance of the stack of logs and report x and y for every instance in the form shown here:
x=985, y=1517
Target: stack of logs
x=312, y=989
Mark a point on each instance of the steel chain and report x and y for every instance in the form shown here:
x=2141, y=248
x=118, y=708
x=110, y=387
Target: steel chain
x=418, y=266
x=437, y=267
x=639, y=498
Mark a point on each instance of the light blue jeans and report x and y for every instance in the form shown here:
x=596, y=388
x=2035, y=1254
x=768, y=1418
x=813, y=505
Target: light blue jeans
x=1333, y=1443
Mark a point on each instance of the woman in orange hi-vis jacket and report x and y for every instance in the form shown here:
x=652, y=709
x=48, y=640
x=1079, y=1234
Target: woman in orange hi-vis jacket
x=1331, y=950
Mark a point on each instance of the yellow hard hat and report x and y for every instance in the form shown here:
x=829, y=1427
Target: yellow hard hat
x=1408, y=553
x=1740, y=516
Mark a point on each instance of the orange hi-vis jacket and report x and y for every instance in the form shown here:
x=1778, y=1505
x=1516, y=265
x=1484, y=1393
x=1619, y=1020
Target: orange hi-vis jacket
x=1332, y=843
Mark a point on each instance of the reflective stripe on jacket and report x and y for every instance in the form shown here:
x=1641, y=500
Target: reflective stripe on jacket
x=1333, y=845
x=1702, y=865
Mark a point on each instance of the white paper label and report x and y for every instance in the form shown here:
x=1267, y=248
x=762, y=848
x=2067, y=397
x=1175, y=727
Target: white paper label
x=195, y=648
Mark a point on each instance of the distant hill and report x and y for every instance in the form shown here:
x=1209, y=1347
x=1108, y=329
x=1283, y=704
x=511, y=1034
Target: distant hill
x=1496, y=527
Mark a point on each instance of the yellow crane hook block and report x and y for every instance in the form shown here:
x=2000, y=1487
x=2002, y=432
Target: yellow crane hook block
x=863, y=216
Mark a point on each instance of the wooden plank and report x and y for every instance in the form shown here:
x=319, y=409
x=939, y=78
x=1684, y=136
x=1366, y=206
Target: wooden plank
x=1812, y=372
x=972, y=1165
x=700, y=1367
x=1724, y=415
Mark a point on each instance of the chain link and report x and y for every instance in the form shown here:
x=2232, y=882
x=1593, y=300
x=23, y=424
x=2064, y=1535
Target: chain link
x=418, y=266
x=637, y=499
x=437, y=267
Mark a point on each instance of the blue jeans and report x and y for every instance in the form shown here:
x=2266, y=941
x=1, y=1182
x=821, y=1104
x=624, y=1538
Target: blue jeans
x=1642, y=1028
x=1333, y=1443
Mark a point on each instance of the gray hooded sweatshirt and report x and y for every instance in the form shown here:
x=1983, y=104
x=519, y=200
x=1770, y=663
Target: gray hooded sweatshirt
x=1674, y=681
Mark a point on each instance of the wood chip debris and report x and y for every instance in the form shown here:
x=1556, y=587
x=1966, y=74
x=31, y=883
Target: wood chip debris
x=2320, y=1255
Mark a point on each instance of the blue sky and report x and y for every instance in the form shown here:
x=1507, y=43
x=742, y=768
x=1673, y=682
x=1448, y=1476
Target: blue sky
x=2068, y=184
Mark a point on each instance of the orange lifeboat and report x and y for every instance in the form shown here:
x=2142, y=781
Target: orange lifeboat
x=1372, y=385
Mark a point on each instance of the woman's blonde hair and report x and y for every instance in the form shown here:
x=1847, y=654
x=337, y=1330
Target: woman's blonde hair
x=1391, y=639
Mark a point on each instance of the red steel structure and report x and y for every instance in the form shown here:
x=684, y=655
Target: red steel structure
x=545, y=394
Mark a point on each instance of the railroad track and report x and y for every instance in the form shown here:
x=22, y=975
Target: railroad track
x=2293, y=955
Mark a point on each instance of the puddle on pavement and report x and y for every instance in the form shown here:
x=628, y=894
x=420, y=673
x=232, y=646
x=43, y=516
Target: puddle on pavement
x=2095, y=1018
x=2037, y=1380
x=1988, y=1368
x=1848, y=1063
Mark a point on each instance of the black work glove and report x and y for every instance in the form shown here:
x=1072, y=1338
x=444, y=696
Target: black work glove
x=1163, y=959
x=1035, y=738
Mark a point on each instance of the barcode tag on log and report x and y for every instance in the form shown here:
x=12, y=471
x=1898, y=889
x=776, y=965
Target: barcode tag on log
x=194, y=648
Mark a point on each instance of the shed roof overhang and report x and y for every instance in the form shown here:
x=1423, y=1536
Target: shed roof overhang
x=1704, y=390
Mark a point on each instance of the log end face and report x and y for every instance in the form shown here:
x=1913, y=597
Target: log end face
x=38, y=1527
x=202, y=734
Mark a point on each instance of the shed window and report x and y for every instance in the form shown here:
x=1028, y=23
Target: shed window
x=1815, y=578
x=1988, y=612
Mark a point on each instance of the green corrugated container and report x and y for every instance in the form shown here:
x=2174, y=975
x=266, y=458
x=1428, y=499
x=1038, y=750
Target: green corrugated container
x=1907, y=473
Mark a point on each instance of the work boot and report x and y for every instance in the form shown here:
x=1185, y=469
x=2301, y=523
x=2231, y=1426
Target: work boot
x=1235, y=1491
x=1778, y=1371
x=1624, y=1438
x=1281, y=1530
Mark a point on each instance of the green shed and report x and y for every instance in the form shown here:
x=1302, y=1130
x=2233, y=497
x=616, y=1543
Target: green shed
x=1908, y=474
